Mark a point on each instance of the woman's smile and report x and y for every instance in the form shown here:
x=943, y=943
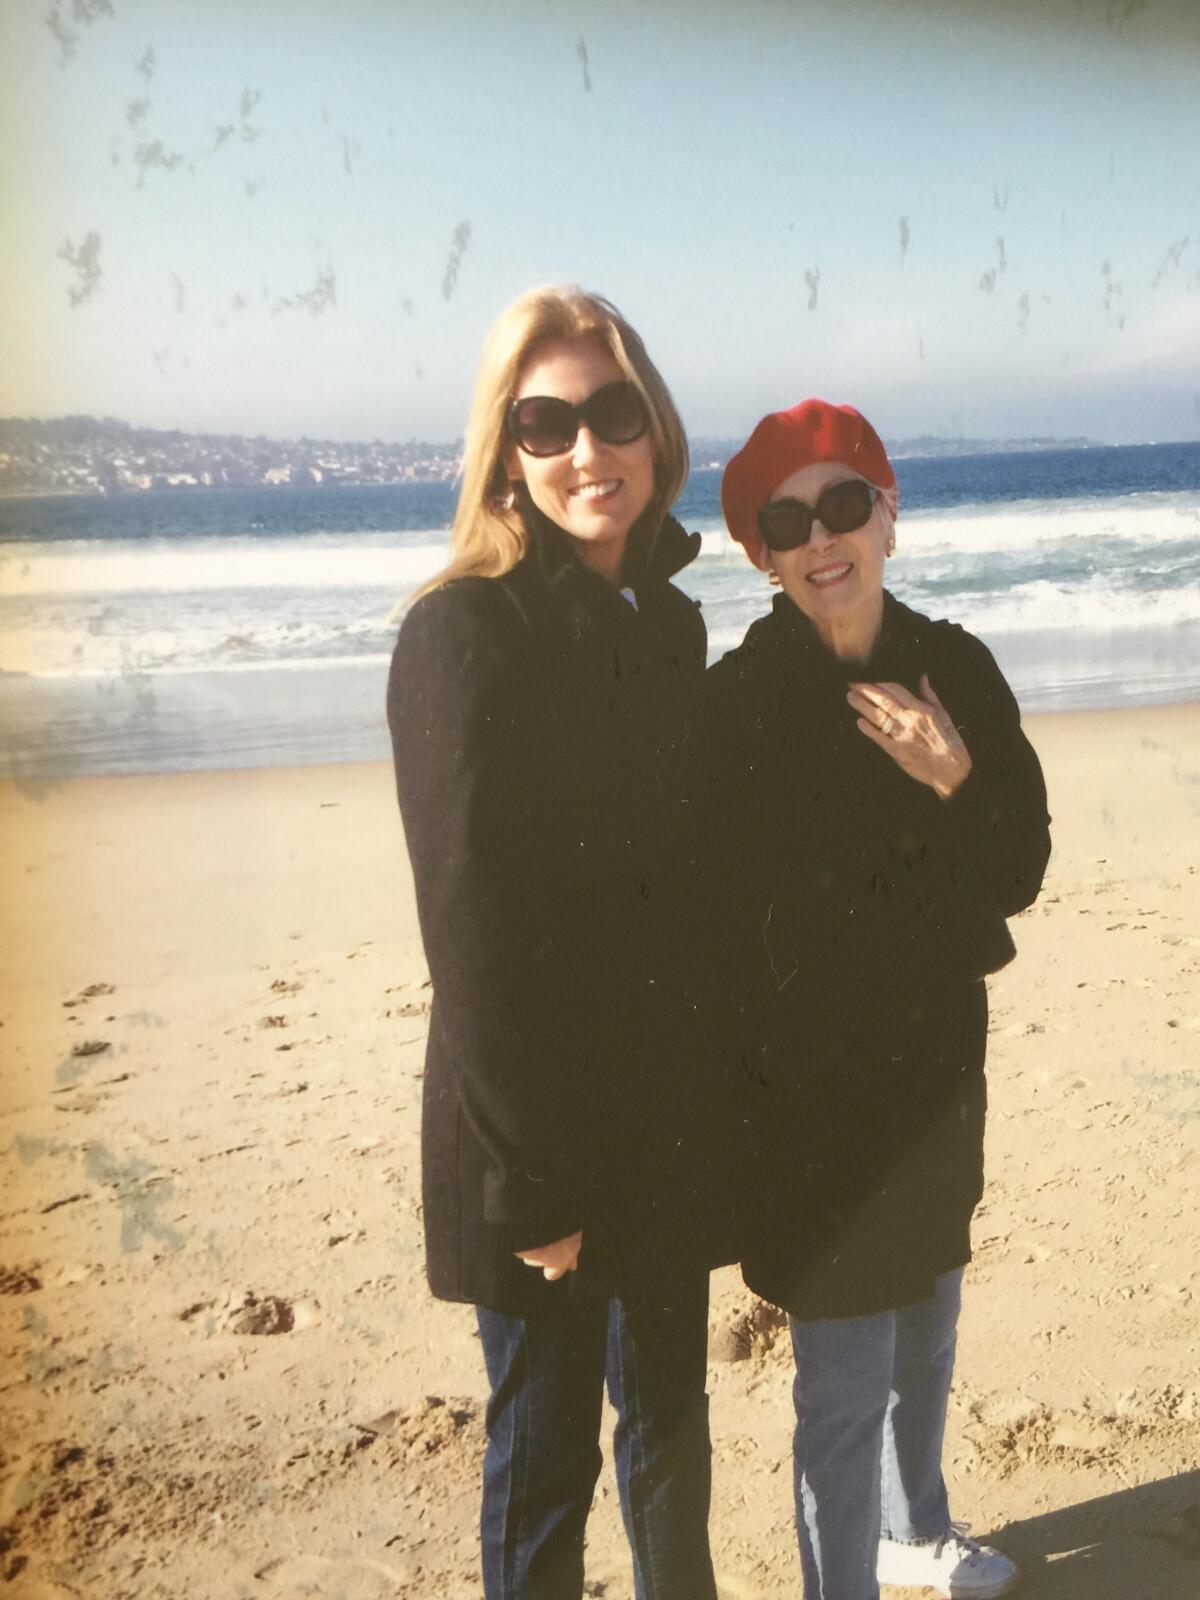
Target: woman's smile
x=831, y=573
x=602, y=490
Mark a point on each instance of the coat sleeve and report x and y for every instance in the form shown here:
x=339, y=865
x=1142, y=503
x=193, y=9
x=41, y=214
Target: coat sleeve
x=998, y=814
x=475, y=761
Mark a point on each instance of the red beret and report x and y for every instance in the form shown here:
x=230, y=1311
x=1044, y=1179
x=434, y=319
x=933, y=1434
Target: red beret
x=784, y=442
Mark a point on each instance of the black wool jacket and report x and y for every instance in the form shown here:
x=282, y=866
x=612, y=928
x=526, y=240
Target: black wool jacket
x=858, y=916
x=542, y=728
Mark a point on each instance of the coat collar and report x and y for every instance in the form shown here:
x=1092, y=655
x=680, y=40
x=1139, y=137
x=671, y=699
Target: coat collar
x=658, y=548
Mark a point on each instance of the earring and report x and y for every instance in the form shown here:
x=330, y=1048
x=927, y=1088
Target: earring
x=890, y=548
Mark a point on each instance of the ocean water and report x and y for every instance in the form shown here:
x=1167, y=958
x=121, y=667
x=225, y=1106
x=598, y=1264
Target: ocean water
x=233, y=628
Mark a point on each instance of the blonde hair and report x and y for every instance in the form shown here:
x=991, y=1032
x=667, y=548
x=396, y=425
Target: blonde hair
x=488, y=537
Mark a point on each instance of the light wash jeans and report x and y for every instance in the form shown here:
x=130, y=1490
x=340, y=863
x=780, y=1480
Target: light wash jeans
x=871, y=1396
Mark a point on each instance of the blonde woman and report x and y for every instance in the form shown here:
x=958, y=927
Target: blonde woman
x=541, y=703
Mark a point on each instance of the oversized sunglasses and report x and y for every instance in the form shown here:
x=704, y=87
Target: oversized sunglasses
x=543, y=425
x=844, y=507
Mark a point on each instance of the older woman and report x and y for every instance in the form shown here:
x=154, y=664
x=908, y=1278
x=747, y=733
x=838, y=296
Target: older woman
x=541, y=704
x=885, y=815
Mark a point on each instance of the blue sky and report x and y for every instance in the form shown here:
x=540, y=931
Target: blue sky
x=965, y=218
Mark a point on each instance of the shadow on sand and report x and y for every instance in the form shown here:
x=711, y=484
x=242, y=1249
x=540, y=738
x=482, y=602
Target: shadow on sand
x=1139, y=1544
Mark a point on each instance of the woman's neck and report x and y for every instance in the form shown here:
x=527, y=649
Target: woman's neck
x=603, y=557
x=852, y=638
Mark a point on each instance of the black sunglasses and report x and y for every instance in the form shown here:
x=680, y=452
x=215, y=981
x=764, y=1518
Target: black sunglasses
x=842, y=508
x=543, y=425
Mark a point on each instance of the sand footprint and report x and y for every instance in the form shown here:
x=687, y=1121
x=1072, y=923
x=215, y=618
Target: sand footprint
x=68, y=1073
x=746, y=1332
x=329, y=1577
x=19, y=1280
x=248, y=1313
x=90, y=993
x=992, y=1247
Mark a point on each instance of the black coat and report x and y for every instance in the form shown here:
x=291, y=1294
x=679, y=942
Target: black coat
x=860, y=914
x=543, y=742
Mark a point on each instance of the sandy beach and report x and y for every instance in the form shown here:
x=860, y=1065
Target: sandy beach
x=221, y=1375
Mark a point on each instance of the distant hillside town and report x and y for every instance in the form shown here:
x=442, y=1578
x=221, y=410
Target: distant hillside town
x=90, y=455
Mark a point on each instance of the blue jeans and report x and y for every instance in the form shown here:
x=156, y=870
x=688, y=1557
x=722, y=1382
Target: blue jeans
x=871, y=1396
x=547, y=1373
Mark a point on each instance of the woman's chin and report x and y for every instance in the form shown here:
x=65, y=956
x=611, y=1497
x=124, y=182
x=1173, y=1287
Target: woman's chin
x=594, y=523
x=601, y=524
x=840, y=600
x=589, y=531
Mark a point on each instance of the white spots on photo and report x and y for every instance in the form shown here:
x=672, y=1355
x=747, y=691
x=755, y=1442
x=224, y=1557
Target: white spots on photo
x=458, y=249
x=84, y=261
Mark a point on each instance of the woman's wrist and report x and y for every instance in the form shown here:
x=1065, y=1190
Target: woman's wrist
x=948, y=788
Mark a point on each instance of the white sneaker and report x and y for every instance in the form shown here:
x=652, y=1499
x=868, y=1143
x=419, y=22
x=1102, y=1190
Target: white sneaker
x=955, y=1566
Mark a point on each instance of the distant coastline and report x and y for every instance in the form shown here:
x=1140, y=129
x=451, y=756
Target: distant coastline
x=101, y=455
